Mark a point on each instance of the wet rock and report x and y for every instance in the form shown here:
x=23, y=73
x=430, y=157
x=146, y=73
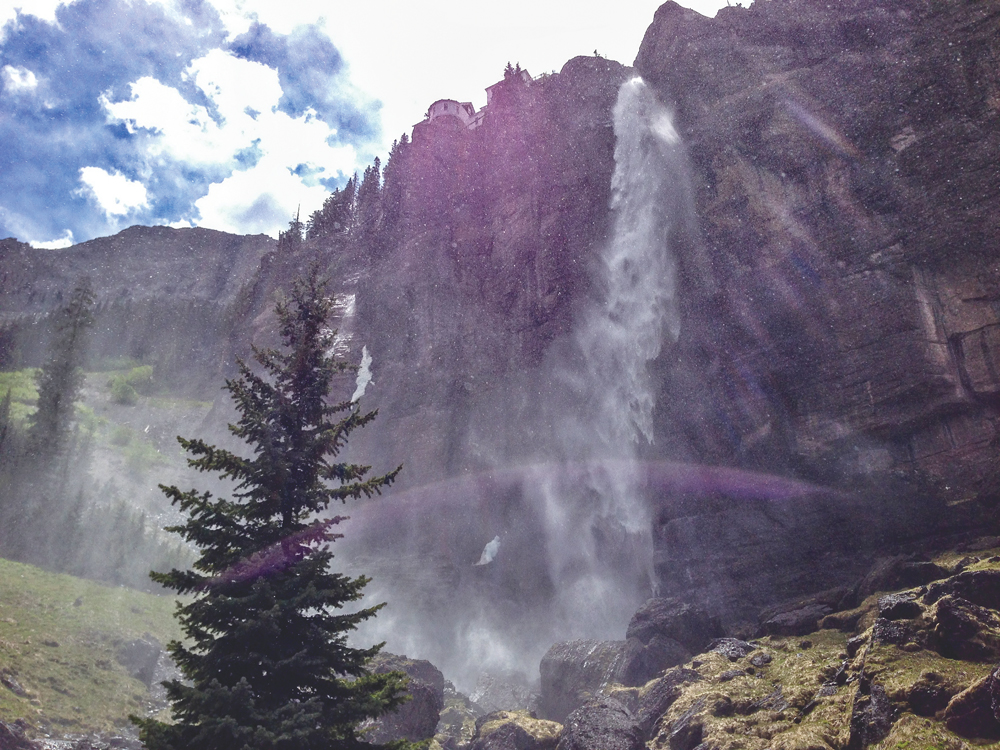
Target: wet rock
x=855, y=644
x=457, y=726
x=801, y=621
x=686, y=624
x=574, y=672
x=899, y=572
x=761, y=660
x=644, y=661
x=886, y=631
x=660, y=695
x=140, y=658
x=773, y=701
x=9, y=680
x=981, y=544
x=602, y=724
x=686, y=733
x=498, y=692
x=872, y=717
x=12, y=736
x=980, y=587
x=417, y=719
x=974, y=711
x=929, y=694
x=515, y=730
x=732, y=648
x=899, y=606
x=963, y=630
x=507, y=736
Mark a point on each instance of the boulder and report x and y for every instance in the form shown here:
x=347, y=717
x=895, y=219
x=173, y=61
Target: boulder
x=497, y=692
x=574, y=672
x=140, y=658
x=687, y=731
x=974, y=711
x=929, y=694
x=641, y=662
x=659, y=695
x=457, y=726
x=732, y=648
x=417, y=719
x=515, y=730
x=872, y=716
x=897, y=572
x=669, y=618
x=895, y=633
x=601, y=724
x=903, y=605
x=981, y=587
x=963, y=630
x=801, y=621
x=12, y=736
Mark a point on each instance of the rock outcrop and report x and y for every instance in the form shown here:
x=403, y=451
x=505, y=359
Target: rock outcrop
x=417, y=719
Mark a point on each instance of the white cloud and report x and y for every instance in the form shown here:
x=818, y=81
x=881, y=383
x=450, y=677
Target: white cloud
x=185, y=131
x=116, y=194
x=235, y=85
x=258, y=198
x=453, y=48
x=262, y=199
x=65, y=241
x=238, y=15
x=18, y=79
x=44, y=10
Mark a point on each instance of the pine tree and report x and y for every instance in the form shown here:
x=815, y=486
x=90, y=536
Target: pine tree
x=291, y=238
x=337, y=214
x=4, y=421
x=267, y=658
x=60, y=379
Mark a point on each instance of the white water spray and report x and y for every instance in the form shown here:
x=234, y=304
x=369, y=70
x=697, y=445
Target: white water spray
x=564, y=492
x=599, y=537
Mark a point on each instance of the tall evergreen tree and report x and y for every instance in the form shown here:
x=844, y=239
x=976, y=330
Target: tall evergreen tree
x=60, y=379
x=337, y=214
x=292, y=237
x=267, y=658
x=4, y=422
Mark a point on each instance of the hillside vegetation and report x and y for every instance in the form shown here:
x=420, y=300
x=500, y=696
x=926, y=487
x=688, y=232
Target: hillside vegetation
x=62, y=643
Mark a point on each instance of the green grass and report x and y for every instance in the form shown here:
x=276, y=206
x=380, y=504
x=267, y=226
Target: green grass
x=23, y=393
x=58, y=638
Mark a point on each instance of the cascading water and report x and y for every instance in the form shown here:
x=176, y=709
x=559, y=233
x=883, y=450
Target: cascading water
x=485, y=572
x=598, y=534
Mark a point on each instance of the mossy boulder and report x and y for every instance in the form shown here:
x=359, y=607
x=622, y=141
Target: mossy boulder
x=515, y=730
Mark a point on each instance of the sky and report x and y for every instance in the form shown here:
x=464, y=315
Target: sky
x=234, y=114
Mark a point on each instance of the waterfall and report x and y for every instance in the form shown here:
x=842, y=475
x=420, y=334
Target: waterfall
x=552, y=541
x=598, y=534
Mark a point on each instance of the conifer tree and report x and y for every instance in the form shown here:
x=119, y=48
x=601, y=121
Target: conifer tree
x=60, y=379
x=4, y=420
x=267, y=658
x=291, y=238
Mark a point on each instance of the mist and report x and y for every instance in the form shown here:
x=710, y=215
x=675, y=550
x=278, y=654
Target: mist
x=548, y=538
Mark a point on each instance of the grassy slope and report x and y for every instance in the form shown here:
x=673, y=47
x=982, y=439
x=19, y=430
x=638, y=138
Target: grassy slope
x=58, y=637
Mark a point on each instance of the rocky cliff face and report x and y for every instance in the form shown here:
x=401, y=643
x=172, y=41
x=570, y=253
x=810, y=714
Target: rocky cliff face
x=841, y=319
x=839, y=302
x=844, y=162
x=172, y=297
x=491, y=241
